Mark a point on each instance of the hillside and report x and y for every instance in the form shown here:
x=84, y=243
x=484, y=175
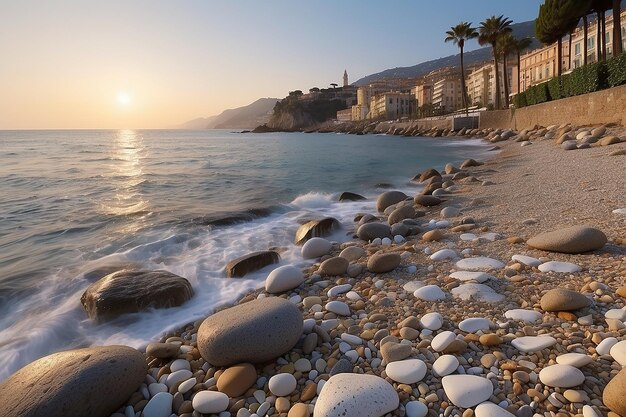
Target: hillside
x=523, y=29
x=246, y=117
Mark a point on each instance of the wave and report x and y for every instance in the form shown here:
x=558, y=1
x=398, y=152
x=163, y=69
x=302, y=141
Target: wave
x=313, y=200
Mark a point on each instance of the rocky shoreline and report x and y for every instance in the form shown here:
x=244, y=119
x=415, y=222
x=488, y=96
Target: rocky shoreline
x=496, y=291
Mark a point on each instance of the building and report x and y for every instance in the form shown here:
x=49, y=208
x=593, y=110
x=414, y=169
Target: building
x=390, y=105
x=578, y=41
x=540, y=65
x=364, y=95
x=344, y=115
x=423, y=93
x=480, y=86
x=447, y=93
x=345, y=78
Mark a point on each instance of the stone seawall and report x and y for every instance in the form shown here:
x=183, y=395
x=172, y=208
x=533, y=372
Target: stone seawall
x=601, y=107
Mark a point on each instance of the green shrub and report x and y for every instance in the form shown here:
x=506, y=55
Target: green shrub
x=616, y=69
x=542, y=94
x=588, y=78
x=554, y=88
x=520, y=100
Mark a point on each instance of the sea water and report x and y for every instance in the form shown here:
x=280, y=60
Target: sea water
x=75, y=205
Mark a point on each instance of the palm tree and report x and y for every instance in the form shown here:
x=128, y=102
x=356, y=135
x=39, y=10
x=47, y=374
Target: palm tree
x=506, y=46
x=458, y=35
x=617, y=28
x=489, y=32
x=519, y=45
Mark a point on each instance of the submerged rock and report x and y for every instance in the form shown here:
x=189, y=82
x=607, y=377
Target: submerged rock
x=94, y=382
x=316, y=228
x=133, y=291
x=348, y=196
x=251, y=262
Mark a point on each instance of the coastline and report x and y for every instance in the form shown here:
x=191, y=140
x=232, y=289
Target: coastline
x=518, y=193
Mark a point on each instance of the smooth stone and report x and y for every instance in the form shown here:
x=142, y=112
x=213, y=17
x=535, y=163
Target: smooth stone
x=575, y=239
x=479, y=263
x=251, y=262
x=432, y=236
x=561, y=376
x=356, y=395
x=389, y=198
x=432, y=321
x=561, y=267
x=371, y=231
x=411, y=286
x=282, y=385
x=297, y=410
x=179, y=364
x=467, y=390
x=604, y=347
x=237, y=379
x=615, y=314
x=443, y=254
x=561, y=299
x=408, y=371
x=479, y=292
x=395, y=351
x=334, y=266
x=618, y=352
x=178, y=376
x=210, y=402
x=315, y=248
x=338, y=307
x=588, y=411
x=416, y=409
x=427, y=200
x=126, y=292
x=530, y=344
x=442, y=340
x=489, y=409
x=477, y=276
x=448, y=212
x=343, y=366
x=93, y=381
x=430, y=293
x=316, y=228
x=445, y=365
x=159, y=406
x=401, y=213
x=526, y=260
x=467, y=237
x=574, y=359
x=255, y=331
x=283, y=278
x=162, y=350
x=348, y=196
x=613, y=395
x=383, y=262
x=529, y=316
x=474, y=324
x=338, y=289
x=353, y=253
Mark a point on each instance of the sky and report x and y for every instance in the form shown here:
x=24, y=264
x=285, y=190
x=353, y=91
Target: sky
x=158, y=63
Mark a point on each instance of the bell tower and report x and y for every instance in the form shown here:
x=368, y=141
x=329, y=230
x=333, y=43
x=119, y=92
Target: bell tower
x=345, y=78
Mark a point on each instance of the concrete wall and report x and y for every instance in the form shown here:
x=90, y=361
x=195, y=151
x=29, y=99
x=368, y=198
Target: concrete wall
x=601, y=107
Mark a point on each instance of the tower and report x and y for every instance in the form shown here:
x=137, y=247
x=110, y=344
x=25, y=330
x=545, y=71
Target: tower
x=345, y=78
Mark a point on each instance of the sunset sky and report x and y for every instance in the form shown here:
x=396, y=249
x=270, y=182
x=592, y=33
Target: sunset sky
x=154, y=64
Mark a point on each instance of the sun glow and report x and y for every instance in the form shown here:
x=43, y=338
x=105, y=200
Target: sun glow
x=123, y=99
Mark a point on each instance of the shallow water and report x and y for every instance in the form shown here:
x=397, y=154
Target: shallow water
x=76, y=203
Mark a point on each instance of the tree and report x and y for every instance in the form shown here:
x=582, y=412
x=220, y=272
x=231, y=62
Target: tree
x=599, y=7
x=506, y=46
x=489, y=32
x=520, y=45
x=458, y=35
x=334, y=85
x=617, y=28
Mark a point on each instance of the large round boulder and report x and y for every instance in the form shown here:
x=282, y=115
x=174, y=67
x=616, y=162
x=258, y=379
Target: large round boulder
x=133, y=291
x=389, y=198
x=401, y=213
x=613, y=395
x=251, y=262
x=370, y=231
x=316, y=228
x=427, y=200
x=257, y=331
x=334, y=266
x=315, y=247
x=94, y=382
x=575, y=239
x=562, y=299
x=383, y=262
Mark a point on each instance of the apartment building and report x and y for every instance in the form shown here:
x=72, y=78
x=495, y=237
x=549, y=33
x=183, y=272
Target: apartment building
x=447, y=93
x=390, y=105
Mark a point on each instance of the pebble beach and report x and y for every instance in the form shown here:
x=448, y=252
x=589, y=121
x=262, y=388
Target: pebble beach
x=496, y=291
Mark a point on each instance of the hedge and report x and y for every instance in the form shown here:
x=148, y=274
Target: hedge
x=583, y=80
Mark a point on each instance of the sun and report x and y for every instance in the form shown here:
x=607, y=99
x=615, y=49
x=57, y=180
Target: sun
x=123, y=98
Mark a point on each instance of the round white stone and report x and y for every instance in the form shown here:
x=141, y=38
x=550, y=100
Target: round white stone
x=574, y=359
x=479, y=263
x=477, y=276
x=430, y=293
x=445, y=365
x=442, y=340
x=411, y=286
x=526, y=260
x=529, y=316
x=616, y=314
x=530, y=344
x=408, y=371
x=282, y=385
x=356, y=395
x=474, y=324
x=351, y=339
x=432, y=321
x=179, y=364
x=588, y=411
x=338, y=307
x=315, y=248
x=302, y=365
x=561, y=267
x=478, y=292
x=467, y=390
x=443, y=254
x=604, y=347
x=159, y=406
x=561, y=376
x=283, y=278
x=489, y=409
x=416, y=409
x=187, y=385
x=178, y=376
x=468, y=236
x=210, y=402
x=618, y=352
x=339, y=289
x=353, y=295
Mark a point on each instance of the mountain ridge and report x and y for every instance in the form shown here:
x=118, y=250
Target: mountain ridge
x=245, y=117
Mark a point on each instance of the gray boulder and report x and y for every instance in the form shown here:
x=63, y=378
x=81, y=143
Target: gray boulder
x=401, y=213
x=389, y=198
x=575, y=239
x=90, y=382
x=133, y=291
x=383, y=262
x=370, y=231
x=334, y=266
x=427, y=200
x=257, y=331
x=251, y=262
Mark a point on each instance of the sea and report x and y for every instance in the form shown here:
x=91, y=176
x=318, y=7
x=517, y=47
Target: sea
x=77, y=204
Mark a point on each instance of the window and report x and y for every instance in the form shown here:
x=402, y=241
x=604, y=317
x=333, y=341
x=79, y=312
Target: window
x=591, y=42
x=608, y=38
x=577, y=49
x=390, y=101
x=547, y=71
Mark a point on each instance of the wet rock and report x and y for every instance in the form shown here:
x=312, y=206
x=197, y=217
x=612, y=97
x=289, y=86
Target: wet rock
x=389, y=198
x=316, y=228
x=251, y=262
x=348, y=196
